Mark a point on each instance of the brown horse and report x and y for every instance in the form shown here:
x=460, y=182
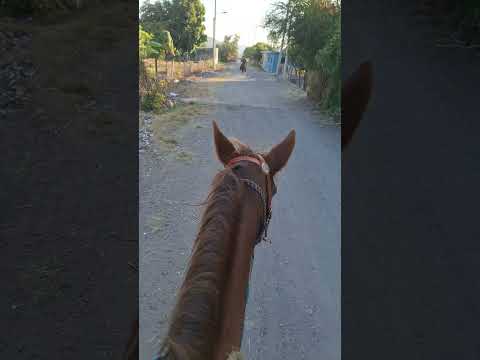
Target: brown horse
x=356, y=92
x=222, y=334
x=207, y=321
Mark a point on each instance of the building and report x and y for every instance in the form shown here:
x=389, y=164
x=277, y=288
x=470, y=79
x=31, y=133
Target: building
x=270, y=61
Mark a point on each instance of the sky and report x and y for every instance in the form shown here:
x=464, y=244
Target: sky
x=244, y=18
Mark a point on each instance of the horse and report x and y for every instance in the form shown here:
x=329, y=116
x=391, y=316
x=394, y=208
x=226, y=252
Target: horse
x=356, y=92
x=207, y=321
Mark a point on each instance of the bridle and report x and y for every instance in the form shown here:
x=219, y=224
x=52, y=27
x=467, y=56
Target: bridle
x=265, y=197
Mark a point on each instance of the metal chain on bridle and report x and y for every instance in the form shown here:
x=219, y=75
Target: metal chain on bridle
x=266, y=201
x=267, y=213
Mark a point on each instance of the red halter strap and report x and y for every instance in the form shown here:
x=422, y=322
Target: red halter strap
x=244, y=158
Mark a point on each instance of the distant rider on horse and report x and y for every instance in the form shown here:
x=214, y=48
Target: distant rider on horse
x=243, y=66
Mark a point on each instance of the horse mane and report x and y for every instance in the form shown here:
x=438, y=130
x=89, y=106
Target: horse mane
x=195, y=321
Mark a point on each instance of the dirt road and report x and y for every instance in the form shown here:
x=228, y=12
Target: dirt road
x=294, y=306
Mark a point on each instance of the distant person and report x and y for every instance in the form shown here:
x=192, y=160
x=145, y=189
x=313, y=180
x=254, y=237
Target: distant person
x=243, y=65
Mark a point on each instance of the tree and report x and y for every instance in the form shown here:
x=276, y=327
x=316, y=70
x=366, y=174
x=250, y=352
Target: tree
x=328, y=61
x=144, y=43
x=228, y=50
x=281, y=14
x=152, y=14
x=162, y=48
x=162, y=45
x=254, y=53
x=182, y=18
x=149, y=48
x=312, y=32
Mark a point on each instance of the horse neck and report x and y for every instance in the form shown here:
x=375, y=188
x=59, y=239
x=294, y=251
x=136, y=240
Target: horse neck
x=207, y=321
x=234, y=298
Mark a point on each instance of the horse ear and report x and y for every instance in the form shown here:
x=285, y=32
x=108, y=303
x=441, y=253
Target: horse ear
x=277, y=157
x=356, y=93
x=223, y=147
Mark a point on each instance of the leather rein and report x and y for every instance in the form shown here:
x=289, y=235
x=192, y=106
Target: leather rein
x=265, y=197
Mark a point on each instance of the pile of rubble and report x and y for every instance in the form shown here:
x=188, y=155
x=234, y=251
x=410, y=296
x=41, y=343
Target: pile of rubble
x=145, y=133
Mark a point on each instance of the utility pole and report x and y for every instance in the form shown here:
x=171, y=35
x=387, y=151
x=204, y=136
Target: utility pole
x=286, y=64
x=287, y=21
x=214, y=42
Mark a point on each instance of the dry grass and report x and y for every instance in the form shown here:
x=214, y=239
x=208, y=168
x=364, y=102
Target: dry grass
x=185, y=156
x=165, y=125
x=157, y=223
x=295, y=93
x=193, y=89
x=154, y=91
x=165, y=122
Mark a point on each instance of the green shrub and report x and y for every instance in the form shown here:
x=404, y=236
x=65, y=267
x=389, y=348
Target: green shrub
x=152, y=91
x=328, y=61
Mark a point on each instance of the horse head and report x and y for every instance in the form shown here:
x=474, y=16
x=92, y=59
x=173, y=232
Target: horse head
x=228, y=149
